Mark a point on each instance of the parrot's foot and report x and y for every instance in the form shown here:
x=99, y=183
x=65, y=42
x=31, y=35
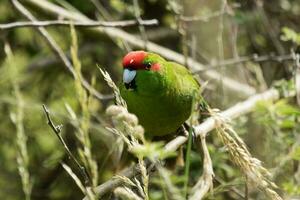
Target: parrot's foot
x=185, y=129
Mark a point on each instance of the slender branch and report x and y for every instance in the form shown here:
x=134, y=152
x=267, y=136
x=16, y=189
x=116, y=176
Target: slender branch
x=57, y=50
x=270, y=29
x=201, y=130
x=52, y=60
x=254, y=58
x=233, y=85
x=106, y=16
x=126, y=23
x=231, y=189
x=207, y=17
x=101, y=9
x=220, y=45
x=204, y=18
x=235, y=111
x=142, y=29
x=57, y=130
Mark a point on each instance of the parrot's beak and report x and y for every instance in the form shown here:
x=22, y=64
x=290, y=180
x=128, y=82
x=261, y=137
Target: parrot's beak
x=128, y=78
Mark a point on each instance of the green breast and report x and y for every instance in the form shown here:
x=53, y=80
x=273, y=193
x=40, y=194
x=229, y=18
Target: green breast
x=162, y=100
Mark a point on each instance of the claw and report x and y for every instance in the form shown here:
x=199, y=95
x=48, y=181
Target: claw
x=189, y=128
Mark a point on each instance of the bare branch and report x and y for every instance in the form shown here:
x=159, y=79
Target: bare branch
x=204, y=18
x=269, y=27
x=231, y=189
x=142, y=29
x=233, y=85
x=57, y=130
x=207, y=17
x=254, y=58
x=126, y=23
x=51, y=60
x=57, y=50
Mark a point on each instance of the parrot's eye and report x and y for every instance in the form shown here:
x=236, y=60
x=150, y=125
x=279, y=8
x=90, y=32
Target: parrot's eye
x=147, y=66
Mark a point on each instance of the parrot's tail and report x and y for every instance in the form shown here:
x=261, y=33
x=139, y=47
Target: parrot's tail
x=204, y=110
x=188, y=129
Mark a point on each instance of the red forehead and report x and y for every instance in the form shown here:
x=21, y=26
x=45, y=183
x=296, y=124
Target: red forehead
x=134, y=59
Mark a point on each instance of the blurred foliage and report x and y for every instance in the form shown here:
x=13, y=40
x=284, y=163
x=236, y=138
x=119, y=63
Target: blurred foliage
x=290, y=35
x=280, y=122
x=248, y=28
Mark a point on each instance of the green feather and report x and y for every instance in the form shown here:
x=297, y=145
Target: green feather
x=162, y=99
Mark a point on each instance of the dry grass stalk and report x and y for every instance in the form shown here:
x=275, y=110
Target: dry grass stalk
x=205, y=183
x=119, y=100
x=250, y=166
x=126, y=193
x=86, y=190
x=18, y=118
x=127, y=127
x=145, y=180
x=83, y=125
x=74, y=177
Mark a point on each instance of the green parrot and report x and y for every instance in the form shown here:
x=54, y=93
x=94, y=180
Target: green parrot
x=159, y=92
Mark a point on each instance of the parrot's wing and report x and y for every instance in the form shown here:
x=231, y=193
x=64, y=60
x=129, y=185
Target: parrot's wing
x=187, y=74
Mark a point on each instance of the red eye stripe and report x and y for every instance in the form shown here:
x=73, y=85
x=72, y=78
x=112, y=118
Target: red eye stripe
x=155, y=67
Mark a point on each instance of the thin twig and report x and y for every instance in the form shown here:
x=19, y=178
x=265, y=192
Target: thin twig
x=105, y=15
x=51, y=60
x=207, y=17
x=233, y=85
x=269, y=27
x=57, y=130
x=220, y=45
x=142, y=29
x=242, y=59
x=73, y=175
x=204, y=18
x=232, y=189
x=125, y=23
x=57, y=50
x=101, y=9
